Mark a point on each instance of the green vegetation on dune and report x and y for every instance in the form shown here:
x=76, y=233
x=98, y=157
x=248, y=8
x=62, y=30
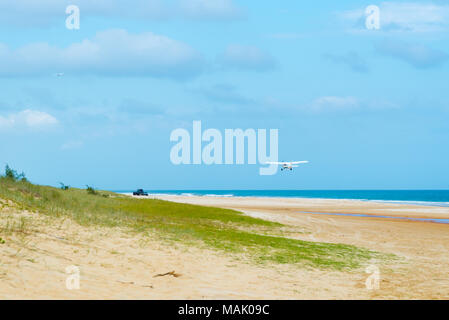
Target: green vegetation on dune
x=221, y=229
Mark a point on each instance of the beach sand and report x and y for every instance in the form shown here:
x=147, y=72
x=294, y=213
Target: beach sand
x=118, y=264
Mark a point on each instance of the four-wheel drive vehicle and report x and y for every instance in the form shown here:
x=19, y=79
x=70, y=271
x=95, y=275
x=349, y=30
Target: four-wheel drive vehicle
x=140, y=192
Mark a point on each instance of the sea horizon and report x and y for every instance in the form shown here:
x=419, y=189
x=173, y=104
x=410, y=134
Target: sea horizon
x=438, y=197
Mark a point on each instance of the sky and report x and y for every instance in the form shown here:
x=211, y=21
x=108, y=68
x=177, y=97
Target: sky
x=368, y=107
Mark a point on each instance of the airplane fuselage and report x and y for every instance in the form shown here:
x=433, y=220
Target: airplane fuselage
x=289, y=165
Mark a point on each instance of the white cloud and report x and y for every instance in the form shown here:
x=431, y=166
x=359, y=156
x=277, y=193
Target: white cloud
x=286, y=36
x=72, y=144
x=46, y=12
x=246, y=58
x=351, y=59
x=210, y=9
x=110, y=53
x=347, y=104
x=334, y=103
x=414, y=54
x=227, y=94
x=28, y=119
x=403, y=17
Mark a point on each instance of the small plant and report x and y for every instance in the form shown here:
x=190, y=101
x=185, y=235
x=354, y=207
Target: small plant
x=13, y=175
x=91, y=190
x=10, y=173
x=2, y=241
x=64, y=187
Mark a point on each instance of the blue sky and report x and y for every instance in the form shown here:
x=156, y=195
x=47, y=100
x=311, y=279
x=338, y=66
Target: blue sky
x=368, y=108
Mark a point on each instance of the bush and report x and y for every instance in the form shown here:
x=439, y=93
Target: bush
x=64, y=187
x=13, y=175
x=91, y=190
x=10, y=173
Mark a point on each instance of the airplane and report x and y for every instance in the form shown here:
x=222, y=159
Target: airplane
x=288, y=164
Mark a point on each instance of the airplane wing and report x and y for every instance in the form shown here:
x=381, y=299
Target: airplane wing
x=287, y=162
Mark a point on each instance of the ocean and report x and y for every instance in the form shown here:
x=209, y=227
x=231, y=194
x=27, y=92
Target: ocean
x=427, y=197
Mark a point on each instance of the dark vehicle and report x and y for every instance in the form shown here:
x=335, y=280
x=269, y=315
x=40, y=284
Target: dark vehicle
x=140, y=192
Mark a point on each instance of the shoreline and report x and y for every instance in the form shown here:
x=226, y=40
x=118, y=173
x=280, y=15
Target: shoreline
x=322, y=205
x=441, y=204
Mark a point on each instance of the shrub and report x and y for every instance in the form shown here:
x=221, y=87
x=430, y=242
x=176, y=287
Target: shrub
x=10, y=173
x=13, y=175
x=64, y=187
x=91, y=190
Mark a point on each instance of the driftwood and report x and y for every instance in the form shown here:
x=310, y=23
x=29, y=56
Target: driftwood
x=171, y=273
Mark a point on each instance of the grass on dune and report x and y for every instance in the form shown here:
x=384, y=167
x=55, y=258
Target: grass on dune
x=221, y=229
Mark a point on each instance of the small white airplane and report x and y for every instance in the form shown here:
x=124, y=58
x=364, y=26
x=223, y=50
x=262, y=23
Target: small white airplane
x=289, y=165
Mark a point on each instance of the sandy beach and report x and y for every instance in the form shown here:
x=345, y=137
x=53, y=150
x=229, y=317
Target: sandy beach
x=117, y=264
